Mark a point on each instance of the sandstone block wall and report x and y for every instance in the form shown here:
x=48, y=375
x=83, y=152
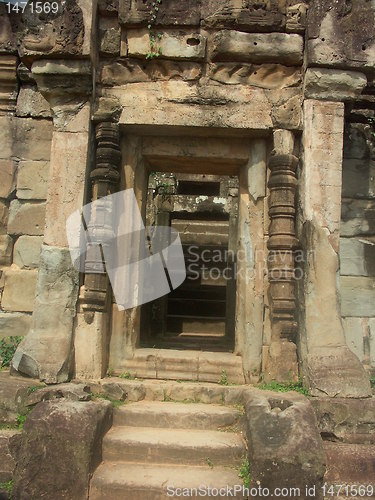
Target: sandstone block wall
x=357, y=242
x=25, y=139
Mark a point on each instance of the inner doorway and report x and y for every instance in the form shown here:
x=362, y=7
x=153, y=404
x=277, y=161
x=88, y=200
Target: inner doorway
x=200, y=314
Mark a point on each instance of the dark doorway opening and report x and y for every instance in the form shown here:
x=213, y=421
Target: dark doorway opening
x=199, y=314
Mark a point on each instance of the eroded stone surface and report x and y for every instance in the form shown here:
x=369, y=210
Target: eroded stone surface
x=31, y=103
x=268, y=48
x=279, y=425
x=19, y=291
x=26, y=218
x=172, y=45
x=47, y=350
x=6, y=248
x=347, y=420
x=14, y=324
x=336, y=372
x=32, y=180
x=333, y=85
x=357, y=296
x=341, y=35
x=27, y=252
x=60, y=448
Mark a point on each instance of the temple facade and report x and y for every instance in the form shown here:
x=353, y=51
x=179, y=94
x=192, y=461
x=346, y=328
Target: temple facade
x=248, y=127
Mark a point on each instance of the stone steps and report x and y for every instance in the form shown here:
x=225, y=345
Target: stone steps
x=176, y=415
x=173, y=364
x=119, y=481
x=153, y=445
x=188, y=446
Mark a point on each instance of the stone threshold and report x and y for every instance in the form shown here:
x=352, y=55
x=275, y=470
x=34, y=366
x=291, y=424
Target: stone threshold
x=173, y=364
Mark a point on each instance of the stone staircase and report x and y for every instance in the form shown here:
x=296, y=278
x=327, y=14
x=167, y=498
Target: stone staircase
x=155, y=445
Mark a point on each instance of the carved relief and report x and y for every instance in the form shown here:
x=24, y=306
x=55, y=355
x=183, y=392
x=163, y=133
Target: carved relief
x=60, y=33
x=281, y=245
x=104, y=178
x=171, y=13
x=296, y=18
x=8, y=83
x=251, y=15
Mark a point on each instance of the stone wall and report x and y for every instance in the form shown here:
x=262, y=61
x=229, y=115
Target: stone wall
x=357, y=243
x=25, y=138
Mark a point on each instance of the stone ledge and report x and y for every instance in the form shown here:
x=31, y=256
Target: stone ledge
x=278, y=48
x=191, y=46
x=333, y=85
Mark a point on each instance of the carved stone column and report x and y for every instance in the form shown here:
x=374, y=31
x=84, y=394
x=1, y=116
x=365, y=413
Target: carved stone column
x=280, y=362
x=92, y=323
x=281, y=245
x=104, y=181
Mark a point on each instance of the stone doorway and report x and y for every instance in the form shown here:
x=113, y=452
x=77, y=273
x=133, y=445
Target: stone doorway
x=199, y=314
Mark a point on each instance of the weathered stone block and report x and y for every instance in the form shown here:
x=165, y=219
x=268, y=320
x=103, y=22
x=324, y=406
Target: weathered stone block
x=60, y=448
x=335, y=372
x=288, y=112
x=177, y=102
x=32, y=180
x=19, y=291
x=90, y=345
x=278, y=428
x=322, y=175
x=280, y=363
x=358, y=217
x=333, y=85
x=341, y=34
x=8, y=440
x=171, y=13
x=27, y=252
x=132, y=71
x=110, y=40
x=358, y=178
x=4, y=214
x=7, y=175
x=32, y=139
x=266, y=76
x=278, y=48
x=357, y=296
x=67, y=33
x=108, y=7
x=26, y=218
x=296, y=14
x=46, y=352
x=172, y=45
x=6, y=248
x=251, y=15
x=347, y=420
x=357, y=257
x=66, y=183
x=10, y=390
x=14, y=324
x=354, y=332
x=30, y=102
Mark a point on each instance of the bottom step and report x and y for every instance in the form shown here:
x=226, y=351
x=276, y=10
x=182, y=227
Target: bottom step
x=126, y=481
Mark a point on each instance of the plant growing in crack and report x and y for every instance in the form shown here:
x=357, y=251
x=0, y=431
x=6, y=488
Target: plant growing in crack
x=155, y=49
